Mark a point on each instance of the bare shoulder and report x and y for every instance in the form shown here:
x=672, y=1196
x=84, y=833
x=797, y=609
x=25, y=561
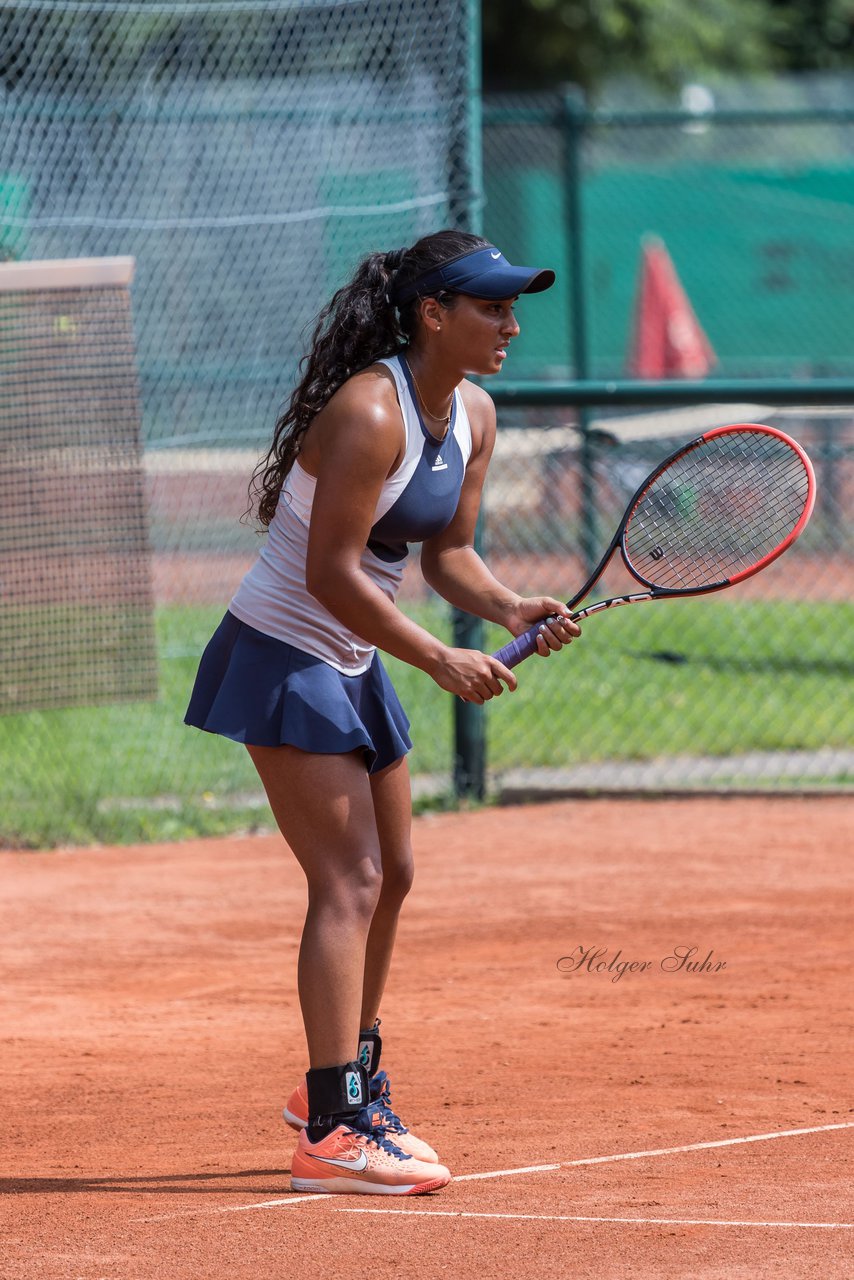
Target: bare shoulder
x=481, y=412
x=371, y=394
x=362, y=416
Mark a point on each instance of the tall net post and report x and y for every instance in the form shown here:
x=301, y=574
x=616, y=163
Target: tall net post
x=76, y=610
x=469, y=746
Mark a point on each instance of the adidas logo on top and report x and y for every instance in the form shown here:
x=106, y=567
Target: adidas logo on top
x=439, y=465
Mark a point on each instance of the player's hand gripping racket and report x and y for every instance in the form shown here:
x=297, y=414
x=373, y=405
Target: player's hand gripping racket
x=716, y=511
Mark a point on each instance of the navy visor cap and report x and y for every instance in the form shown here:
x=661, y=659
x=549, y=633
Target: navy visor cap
x=481, y=273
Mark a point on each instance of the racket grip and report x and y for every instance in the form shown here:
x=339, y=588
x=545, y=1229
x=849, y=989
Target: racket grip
x=519, y=648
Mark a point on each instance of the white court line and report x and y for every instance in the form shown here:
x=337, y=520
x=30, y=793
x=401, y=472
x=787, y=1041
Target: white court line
x=509, y=1173
x=705, y=1146
x=313, y=1197
x=659, y=1151
x=302, y=1198
x=566, y=1217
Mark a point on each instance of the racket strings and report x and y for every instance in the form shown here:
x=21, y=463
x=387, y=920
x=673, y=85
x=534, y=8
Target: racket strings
x=716, y=511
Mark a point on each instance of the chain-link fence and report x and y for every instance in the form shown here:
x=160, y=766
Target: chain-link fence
x=748, y=689
x=753, y=688
x=246, y=154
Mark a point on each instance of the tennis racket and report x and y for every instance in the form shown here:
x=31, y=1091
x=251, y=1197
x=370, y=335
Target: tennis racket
x=712, y=514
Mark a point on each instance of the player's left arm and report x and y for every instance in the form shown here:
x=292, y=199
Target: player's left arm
x=451, y=565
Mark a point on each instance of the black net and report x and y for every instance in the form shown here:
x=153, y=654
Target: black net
x=75, y=606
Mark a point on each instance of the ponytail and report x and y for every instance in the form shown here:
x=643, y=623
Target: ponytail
x=359, y=325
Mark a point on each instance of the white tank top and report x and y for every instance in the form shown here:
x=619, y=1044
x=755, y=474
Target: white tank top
x=416, y=502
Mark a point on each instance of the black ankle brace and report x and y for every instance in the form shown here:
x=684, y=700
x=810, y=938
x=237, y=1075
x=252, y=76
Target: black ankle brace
x=336, y=1091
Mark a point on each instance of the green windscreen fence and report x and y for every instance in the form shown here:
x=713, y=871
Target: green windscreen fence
x=757, y=216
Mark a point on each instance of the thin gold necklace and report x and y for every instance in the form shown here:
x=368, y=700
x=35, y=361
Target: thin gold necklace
x=446, y=420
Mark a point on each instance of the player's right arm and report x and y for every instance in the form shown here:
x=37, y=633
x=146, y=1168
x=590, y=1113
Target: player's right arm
x=353, y=445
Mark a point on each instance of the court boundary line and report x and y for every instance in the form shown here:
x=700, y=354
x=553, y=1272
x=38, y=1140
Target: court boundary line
x=707, y=1146
x=306, y=1198
x=567, y=1217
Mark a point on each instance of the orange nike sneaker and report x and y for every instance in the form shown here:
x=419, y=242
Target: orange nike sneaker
x=380, y=1112
x=357, y=1161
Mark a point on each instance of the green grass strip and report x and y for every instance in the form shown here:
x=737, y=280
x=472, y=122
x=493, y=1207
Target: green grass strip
x=714, y=677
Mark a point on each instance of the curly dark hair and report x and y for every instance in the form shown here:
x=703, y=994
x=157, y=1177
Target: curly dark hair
x=359, y=325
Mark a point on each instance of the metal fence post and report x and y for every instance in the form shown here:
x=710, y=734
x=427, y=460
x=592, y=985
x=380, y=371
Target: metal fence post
x=469, y=770
x=574, y=118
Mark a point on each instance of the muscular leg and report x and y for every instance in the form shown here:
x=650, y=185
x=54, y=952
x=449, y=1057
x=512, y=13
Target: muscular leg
x=324, y=806
x=393, y=812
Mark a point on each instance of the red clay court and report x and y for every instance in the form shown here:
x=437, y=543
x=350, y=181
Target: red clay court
x=655, y=1124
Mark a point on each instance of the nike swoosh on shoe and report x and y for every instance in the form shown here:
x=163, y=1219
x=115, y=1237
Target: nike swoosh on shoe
x=357, y=1165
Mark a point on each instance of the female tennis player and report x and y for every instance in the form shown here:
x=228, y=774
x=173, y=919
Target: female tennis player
x=384, y=443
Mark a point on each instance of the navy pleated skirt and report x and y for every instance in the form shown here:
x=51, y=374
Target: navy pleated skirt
x=264, y=692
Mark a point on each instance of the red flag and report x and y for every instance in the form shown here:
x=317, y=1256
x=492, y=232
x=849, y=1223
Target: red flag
x=667, y=341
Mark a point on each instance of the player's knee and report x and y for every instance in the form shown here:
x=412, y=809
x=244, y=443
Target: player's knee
x=362, y=887
x=398, y=875
x=350, y=889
